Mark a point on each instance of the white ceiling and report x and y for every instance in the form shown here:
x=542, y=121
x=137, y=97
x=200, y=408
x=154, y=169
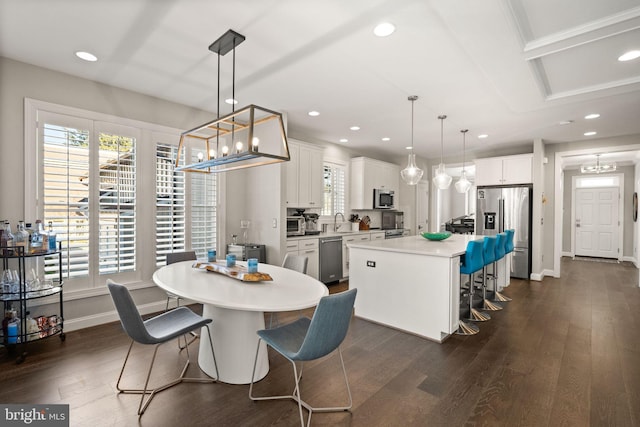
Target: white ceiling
x=512, y=69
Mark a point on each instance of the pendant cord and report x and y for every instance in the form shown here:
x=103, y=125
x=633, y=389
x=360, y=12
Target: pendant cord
x=464, y=146
x=442, y=117
x=412, y=101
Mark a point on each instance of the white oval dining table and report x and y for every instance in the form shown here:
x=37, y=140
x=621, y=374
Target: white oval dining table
x=237, y=310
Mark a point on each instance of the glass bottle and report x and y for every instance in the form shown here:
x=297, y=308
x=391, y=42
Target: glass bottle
x=7, y=237
x=22, y=237
x=36, y=238
x=51, y=237
x=44, y=238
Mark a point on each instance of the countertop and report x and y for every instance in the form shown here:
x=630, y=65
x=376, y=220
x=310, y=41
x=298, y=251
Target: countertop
x=454, y=246
x=333, y=233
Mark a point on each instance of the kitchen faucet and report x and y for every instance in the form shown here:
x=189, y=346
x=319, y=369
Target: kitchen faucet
x=335, y=221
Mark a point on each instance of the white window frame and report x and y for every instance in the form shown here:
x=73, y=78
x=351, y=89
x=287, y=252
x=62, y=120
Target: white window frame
x=344, y=167
x=149, y=135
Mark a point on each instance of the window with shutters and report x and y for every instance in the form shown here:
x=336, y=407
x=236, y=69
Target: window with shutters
x=334, y=189
x=179, y=209
x=88, y=183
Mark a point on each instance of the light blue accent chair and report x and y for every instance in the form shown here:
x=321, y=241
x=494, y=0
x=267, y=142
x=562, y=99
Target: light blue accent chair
x=155, y=331
x=173, y=258
x=291, y=262
x=489, y=252
x=309, y=339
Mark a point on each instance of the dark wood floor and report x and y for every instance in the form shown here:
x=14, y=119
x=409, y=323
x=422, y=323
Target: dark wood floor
x=564, y=352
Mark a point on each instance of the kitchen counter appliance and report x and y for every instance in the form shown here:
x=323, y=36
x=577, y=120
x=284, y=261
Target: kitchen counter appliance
x=295, y=226
x=249, y=250
x=392, y=220
x=330, y=259
x=311, y=224
x=394, y=234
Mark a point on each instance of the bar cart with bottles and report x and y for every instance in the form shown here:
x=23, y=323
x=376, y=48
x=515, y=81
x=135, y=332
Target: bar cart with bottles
x=21, y=286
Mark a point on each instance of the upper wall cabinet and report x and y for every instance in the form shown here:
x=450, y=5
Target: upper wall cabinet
x=367, y=174
x=504, y=170
x=304, y=176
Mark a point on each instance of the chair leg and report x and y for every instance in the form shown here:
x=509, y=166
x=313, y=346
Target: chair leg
x=142, y=407
x=486, y=304
x=465, y=328
x=497, y=296
x=296, y=392
x=475, y=315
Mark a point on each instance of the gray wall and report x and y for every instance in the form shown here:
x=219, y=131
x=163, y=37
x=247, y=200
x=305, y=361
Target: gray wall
x=550, y=179
x=629, y=177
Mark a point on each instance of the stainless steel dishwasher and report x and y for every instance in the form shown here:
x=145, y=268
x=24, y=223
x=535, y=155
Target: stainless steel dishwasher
x=330, y=259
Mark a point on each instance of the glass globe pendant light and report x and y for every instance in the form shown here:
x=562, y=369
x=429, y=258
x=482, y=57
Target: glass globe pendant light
x=412, y=173
x=441, y=179
x=463, y=184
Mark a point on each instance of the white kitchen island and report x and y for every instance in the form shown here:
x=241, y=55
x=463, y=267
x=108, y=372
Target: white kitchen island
x=410, y=283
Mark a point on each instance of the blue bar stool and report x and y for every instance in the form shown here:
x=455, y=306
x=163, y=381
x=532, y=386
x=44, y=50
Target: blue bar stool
x=508, y=248
x=489, y=255
x=473, y=262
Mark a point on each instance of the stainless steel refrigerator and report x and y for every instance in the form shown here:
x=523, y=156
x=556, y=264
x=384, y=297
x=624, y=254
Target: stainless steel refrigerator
x=502, y=208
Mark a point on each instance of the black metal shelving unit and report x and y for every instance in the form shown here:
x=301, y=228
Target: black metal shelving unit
x=49, y=326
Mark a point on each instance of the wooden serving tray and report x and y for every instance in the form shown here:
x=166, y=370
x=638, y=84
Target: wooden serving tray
x=237, y=272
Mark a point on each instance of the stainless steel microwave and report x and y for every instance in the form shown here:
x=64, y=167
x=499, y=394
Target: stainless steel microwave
x=383, y=199
x=295, y=226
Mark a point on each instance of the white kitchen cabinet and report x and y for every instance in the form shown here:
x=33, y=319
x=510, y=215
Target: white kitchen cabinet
x=368, y=174
x=504, y=170
x=309, y=248
x=377, y=235
x=303, y=176
x=351, y=238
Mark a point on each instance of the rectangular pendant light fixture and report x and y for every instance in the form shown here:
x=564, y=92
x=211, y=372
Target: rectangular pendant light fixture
x=248, y=137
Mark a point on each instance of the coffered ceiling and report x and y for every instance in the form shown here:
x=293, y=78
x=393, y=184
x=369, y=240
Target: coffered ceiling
x=511, y=69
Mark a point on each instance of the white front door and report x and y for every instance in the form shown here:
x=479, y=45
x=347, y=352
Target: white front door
x=597, y=222
x=422, y=207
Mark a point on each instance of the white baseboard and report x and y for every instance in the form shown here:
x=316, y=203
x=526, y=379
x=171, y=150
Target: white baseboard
x=109, y=316
x=569, y=254
x=536, y=276
x=630, y=259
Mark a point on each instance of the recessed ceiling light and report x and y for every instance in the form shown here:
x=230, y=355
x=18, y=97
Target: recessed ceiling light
x=386, y=138
x=313, y=113
x=344, y=140
x=590, y=133
x=86, y=56
x=629, y=56
x=231, y=101
x=355, y=128
x=565, y=122
x=384, y=29
x=592, y=116
x=483, y=136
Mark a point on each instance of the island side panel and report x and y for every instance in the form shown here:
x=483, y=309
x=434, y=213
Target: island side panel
x=415, y=293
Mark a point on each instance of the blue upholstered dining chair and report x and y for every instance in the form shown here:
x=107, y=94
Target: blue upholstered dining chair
x=155, y=331
x=309, y=339
x=171, y=259
x=291, y=262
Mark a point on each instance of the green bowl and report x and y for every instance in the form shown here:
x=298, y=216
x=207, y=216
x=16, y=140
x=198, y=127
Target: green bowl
x=436, y=236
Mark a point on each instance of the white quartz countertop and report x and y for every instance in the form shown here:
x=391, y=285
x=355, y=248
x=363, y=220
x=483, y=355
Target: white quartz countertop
x=334, y=233
x=454, y=246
